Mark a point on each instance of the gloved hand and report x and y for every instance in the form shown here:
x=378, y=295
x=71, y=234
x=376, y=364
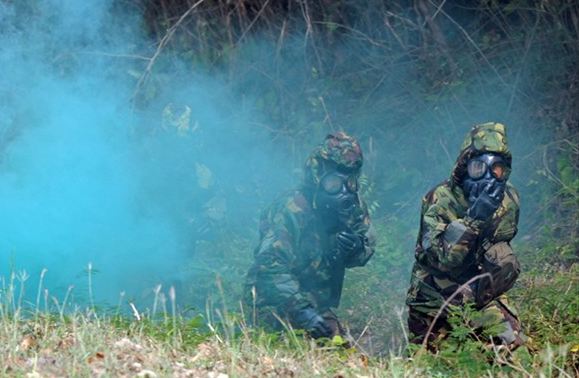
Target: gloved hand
x=349, y=243
x=311, y=321
x=485, y=200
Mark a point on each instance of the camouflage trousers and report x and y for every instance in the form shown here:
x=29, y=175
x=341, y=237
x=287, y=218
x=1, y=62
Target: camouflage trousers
x=496, y=316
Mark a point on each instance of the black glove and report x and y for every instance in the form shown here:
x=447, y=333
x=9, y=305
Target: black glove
x=349, y=244
x=486, y=200
x=311, y=321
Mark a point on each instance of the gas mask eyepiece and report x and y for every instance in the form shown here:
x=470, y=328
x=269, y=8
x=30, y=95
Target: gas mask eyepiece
x=487, y=165
x=337, y=197
x=484, y=171
x=334, y=183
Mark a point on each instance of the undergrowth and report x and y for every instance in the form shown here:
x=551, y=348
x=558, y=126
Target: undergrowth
x=386, y=78
x=88, y=342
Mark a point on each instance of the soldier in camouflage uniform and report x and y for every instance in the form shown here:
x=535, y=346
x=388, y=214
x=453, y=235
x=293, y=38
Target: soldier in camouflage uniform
x=466, y=225
x=307, y=240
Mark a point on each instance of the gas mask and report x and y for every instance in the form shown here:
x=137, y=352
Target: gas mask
x=336, y=198
x=484, y=171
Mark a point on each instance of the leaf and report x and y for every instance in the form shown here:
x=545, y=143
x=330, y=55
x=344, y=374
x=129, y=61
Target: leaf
x=331, y=26
x=28, y=342
x=178, y=117
x=216, y=208
x=364, y=360
x=147, y=374
x=197, y=322
x=204, y=176
x=338, y=341
x=98, y=356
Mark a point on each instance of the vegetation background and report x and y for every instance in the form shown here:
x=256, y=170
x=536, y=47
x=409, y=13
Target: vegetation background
x=408, y=78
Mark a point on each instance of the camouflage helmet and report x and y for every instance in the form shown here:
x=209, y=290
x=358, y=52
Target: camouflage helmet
x=482, y=138
x=338, y=151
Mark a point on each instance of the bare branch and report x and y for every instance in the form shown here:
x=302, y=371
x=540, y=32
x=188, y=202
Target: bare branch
x=257, y=16
x=147, y=73
x=447, y=302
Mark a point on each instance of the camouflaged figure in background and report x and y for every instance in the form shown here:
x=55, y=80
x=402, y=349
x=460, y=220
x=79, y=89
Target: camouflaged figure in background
x=307, y=240
x=455, y=243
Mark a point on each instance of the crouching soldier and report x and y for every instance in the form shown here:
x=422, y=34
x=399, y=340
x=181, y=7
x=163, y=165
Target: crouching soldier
x=307, y=240
x=466, y=225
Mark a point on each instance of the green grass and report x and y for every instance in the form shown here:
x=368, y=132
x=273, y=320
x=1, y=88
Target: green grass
x=42, y=339
x=91, y=343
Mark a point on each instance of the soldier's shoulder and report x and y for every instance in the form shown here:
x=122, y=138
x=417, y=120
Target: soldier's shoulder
x=289, y=212
x=438, y=193
x=513, y=194
x=294, y=202
x=290, y=203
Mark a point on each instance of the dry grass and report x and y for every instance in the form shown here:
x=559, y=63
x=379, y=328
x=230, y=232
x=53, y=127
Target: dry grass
x=85, y=342
x=84, y=345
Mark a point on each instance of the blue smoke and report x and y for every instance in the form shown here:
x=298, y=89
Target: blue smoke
x=146, y=190
x=86, y=178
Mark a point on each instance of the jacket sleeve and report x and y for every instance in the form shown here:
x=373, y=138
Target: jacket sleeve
x=507, y=227
x=365, y=229
x=448, y=242
x=276, y=286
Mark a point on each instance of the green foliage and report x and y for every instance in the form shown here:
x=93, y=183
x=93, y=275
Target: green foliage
x=464, y=349
x=468, y=352
x=367, y=191
x=374, y=295
x=569, y=179
x=375, y=69
x=550, y=306
x=216, y=274
x=189, y=332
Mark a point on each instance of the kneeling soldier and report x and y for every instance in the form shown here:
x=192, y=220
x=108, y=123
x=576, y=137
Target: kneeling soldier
x=307, y=240
x=466, y=225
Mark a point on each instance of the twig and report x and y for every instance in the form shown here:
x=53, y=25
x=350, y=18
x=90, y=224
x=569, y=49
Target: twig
x=399, y=312
x=404, y=20
x=445, y=150
x=281, y=38
x=522, y=65
x=378, y=84
x=112, y=55
x=328, y=117
x=447, y=302
x=356, y=343
x=366, y=328
x=309, y=32
x=90, y=294
x=396, y=36
x=352, y=30
x=473, y=43
x=553, y=177
x=257, y=16
x=505, y=361
x=161, y=46
x=42, y=274
x=135, y=312
x=438, y=9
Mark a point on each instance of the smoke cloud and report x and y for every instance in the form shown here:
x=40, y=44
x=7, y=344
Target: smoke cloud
x=86, y=178
x=166, y=186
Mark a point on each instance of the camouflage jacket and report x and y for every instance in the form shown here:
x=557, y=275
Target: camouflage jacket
x=442, y=266
x=292, y=269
